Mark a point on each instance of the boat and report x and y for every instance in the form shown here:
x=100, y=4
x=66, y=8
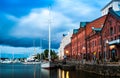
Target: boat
x=48, y=64
x=6, y=61
x=31, y=60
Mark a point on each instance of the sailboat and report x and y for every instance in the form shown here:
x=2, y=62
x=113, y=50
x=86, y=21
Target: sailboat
x=48, y=64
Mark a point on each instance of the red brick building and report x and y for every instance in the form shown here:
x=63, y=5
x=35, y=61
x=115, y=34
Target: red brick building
x=81, y=40
x=68, y=50
x=111, y=36
x=93, y=38
x=74, y=44
x=99, y=38
x=78, y=41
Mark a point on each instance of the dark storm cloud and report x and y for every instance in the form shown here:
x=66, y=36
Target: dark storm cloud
x=22, y=7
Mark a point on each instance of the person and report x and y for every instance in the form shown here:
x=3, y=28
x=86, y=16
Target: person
x=64, y=59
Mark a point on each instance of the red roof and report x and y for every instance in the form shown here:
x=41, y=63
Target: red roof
x=98, y=23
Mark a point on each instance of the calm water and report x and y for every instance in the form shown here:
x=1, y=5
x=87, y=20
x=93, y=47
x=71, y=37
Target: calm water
x=34, y=71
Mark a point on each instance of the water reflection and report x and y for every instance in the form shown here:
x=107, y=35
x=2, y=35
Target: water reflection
x=63, y=74
x=35, y=71
x=45, y=73
x=77, y=74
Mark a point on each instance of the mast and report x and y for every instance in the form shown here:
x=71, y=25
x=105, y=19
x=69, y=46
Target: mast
x=34, y=47
x=49, y=34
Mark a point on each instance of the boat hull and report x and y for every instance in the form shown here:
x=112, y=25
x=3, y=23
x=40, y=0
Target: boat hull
x=47, y=65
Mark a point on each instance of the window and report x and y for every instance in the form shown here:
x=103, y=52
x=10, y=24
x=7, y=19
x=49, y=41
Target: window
x=115, y=29
x=119, y=28
x=111, y=39
x=115, y=37
x=99, y=42
x=119, y=37
x=111, y=31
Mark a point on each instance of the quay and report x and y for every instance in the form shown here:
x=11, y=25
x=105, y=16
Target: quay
x=108, y=69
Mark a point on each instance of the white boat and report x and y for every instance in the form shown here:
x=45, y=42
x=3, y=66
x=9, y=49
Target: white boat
x=7, y=61
x=31, y=62
x=48, y=64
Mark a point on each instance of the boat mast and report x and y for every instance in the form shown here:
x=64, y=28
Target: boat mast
x=34, y=47
x=49, y=34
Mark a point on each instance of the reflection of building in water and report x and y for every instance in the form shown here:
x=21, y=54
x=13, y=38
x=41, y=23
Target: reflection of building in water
x=63, y=74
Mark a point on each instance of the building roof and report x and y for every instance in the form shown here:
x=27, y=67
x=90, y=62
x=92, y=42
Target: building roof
x=75, y=31
x=109, y=4
x=97, y=29
x=98, y=23
x=115, y=13
x=83, y=24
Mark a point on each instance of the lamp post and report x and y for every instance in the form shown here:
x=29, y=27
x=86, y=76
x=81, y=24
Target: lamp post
x=67, y=52
x=83, y=53
x=106, y=42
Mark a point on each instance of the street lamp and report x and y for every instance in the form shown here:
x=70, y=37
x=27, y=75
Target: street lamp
x=66, y=52
x=106, y=42
x=83, y=52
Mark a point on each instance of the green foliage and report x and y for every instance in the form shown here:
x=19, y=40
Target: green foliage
x=44, y=55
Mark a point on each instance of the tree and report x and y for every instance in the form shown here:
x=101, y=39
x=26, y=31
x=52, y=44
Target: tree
x=44, y=55
x=52, y=53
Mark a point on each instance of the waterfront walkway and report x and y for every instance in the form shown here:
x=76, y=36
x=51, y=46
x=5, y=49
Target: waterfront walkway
x=105, y=68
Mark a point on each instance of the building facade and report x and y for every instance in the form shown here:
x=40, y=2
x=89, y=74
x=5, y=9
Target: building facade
x=68, y=50
x=74, y=44
x=98, y=39
x=115, y=4
x=111, y=36
x=65, y=41
x=93, y=38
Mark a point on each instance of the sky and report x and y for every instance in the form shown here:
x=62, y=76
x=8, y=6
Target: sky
x=24, y=23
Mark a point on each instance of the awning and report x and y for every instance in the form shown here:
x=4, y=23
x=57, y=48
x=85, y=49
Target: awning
x=114, y=42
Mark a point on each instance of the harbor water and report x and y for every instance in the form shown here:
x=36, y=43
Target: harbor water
x=35, y=71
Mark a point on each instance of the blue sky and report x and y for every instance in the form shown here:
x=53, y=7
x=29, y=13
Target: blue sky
x=25, y=21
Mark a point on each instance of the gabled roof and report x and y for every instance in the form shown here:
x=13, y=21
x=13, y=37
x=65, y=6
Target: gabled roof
x=98, y=23
x=114, y=13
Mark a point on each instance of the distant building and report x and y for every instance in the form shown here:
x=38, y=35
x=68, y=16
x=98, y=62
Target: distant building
x=74, y=43
x=115, y=4
x=65, y=41
x=68, y=50
x=78, y=41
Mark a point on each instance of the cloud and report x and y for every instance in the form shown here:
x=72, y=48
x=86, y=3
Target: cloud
x=37, y=22
x=33, y=25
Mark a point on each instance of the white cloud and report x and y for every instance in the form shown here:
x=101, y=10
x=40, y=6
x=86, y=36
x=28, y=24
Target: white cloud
x=65, y=16
x=74, y=8
x=36, y=24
